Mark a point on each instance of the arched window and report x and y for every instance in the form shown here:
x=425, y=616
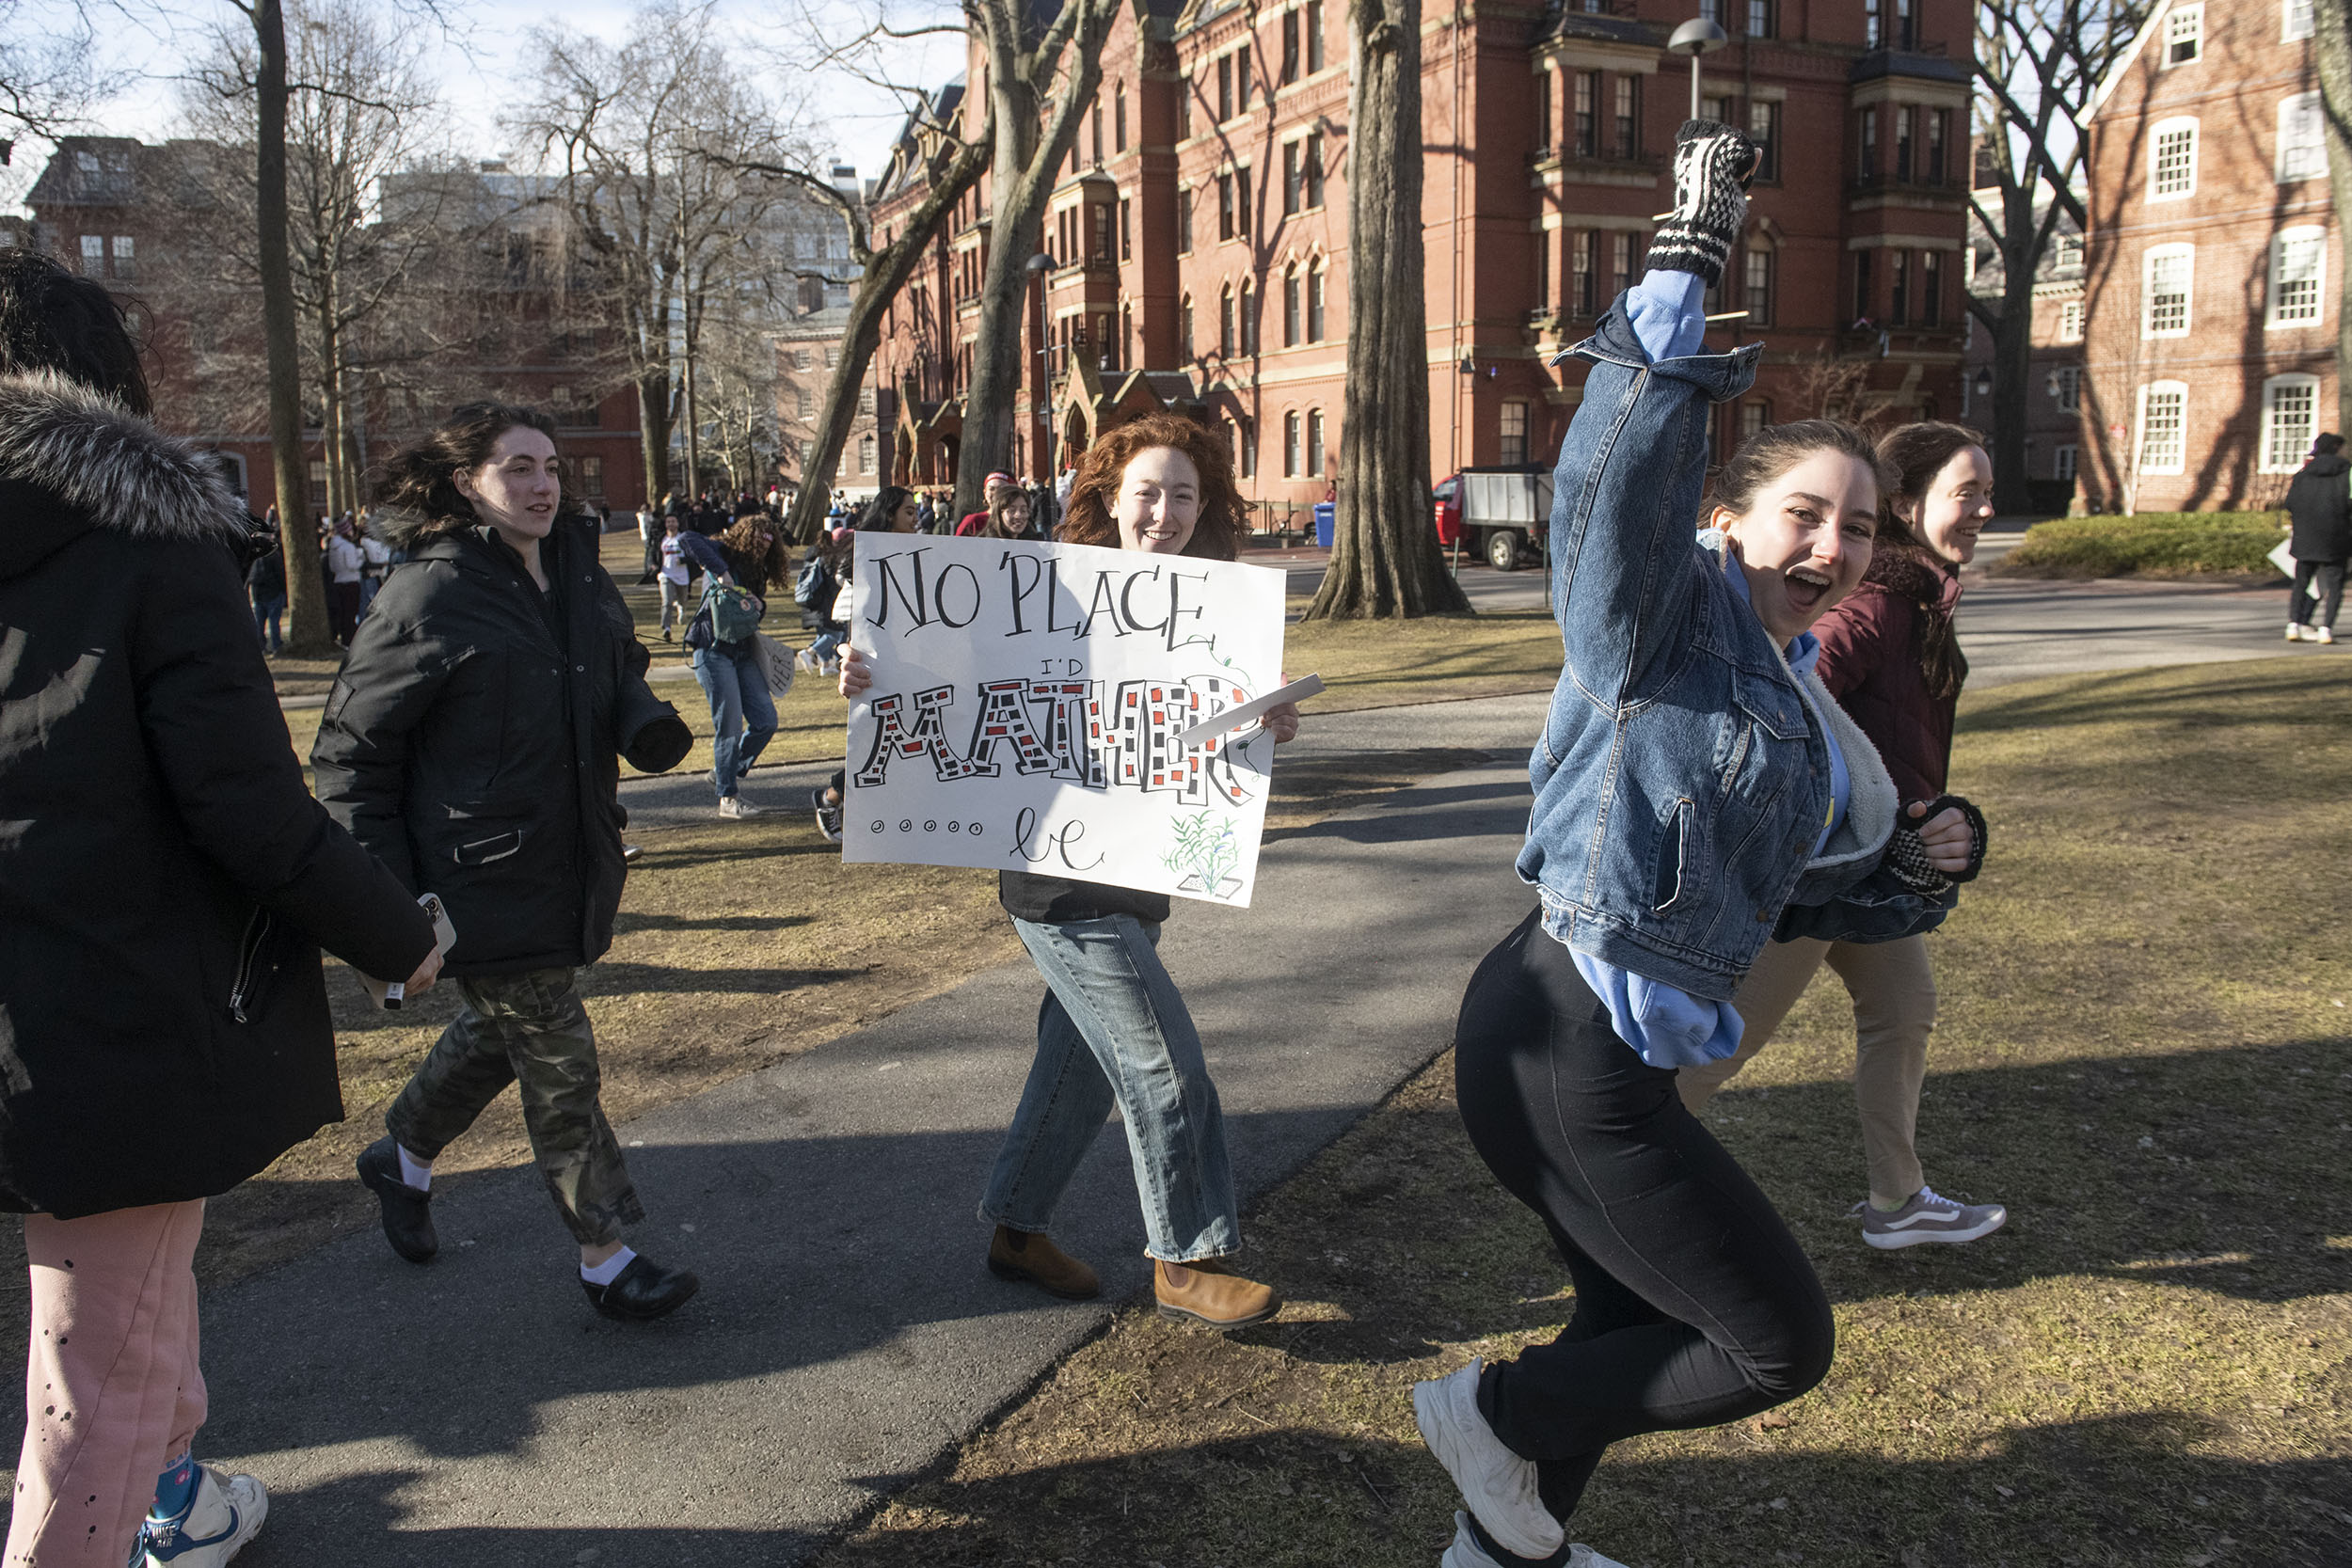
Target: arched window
x=2164, y=427
x=1249, y=317
x=1290, y=306
x=1315, y=301
x=2290, y=419
x=2298, y=268
x=1119, y=119
x=1291, y=455
x=1127, y=334
x=1226, y=341
x=1184, y=328
x=1315, y=443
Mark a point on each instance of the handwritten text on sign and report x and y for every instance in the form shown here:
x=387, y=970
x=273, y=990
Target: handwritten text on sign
x=1023, y=700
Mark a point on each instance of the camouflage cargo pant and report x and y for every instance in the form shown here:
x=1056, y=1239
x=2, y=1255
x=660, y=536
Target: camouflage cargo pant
x=528, y=1029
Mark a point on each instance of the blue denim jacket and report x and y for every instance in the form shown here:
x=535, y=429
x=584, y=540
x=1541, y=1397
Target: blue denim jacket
x=1680, y=784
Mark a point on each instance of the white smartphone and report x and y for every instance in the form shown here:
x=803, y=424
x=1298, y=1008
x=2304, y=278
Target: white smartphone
x=390, y=993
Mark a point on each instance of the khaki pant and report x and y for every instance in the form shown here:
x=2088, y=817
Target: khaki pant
x=528, y=1029
x=112, y=1390
x=1894, y=1008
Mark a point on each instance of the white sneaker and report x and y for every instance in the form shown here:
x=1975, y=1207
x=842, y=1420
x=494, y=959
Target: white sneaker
x=226, y=1512
x=735, y=808
x=1467, y=1553
x=1498, y=1484
x=2295, y=631
x=2323, y=634
x=1928, y=1216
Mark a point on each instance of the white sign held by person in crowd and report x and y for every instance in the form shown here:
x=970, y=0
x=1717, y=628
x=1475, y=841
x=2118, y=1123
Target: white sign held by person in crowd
x=1025, y=702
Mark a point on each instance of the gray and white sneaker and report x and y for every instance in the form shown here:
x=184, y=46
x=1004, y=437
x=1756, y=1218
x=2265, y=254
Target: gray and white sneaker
x=1467, y=1553
x=735, y=808
x=1498, y=1484
x=1928, y=1216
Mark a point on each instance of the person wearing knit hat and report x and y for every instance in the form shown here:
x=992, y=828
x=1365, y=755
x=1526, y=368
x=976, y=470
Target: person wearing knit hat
x=976, y=522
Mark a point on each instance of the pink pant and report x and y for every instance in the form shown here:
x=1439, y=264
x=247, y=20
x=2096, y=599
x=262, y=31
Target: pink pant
x=112, y=1390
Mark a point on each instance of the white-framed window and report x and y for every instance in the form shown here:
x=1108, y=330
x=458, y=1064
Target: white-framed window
x=2062, y=462
x=2172, y=172
x=2165, y=274
x=2290, y=419
x=2302, y=151
x=2295, y=19
x=2066, y=388
x=2066, y=254
x=865, y=454
x=2070, y=328
x=2298, y=271
x=1315, y=443
x=2164, y=427
x=1291, y=455
x=1755, y=414
x=1513, y=447
x=93, y=256
x=2185, y=35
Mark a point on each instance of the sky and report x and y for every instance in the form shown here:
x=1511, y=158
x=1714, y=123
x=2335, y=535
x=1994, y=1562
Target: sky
x=488, y=60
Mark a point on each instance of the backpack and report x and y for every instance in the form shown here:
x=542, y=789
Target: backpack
x=733, y=611
x=813, y=588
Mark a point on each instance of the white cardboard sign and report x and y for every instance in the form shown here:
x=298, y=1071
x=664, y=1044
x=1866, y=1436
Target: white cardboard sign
x=1024, y=702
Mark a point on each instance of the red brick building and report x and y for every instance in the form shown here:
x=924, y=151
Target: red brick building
x=136, y=214
x=2213, y=262
x=1198, y=237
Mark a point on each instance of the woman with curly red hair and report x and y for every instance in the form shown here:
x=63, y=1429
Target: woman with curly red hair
x=1113, y=1029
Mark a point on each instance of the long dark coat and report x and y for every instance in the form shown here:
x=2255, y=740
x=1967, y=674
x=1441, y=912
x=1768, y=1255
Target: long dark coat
x=163, y=875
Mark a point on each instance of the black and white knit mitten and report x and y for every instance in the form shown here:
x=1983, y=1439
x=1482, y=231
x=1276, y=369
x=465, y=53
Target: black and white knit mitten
x=1713, y=165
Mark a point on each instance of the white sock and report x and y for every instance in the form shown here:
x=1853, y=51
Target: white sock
x=607, y=1271
x=414, y=1172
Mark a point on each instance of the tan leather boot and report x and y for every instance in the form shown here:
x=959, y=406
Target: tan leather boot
x=1206, y=1292
x=1032, y=1256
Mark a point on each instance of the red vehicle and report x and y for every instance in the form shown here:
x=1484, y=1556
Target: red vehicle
x=1503, y=513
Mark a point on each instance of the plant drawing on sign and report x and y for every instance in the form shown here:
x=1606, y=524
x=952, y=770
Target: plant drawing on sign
x=1204, y=852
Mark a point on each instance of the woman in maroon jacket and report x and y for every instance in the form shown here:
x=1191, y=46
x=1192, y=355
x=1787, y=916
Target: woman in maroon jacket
x=1890, y=657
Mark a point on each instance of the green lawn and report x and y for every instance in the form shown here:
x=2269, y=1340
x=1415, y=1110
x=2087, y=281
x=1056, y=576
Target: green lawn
x=2142, y=1052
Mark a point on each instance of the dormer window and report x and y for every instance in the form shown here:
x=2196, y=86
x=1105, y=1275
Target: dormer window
x=2185, y=35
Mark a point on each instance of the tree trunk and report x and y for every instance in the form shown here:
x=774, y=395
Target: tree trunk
x=1385, y=560
x=652, y=426
x=885, y=273
x=2004, y=420
x=307, y=630
x=2331, y=54
x=1018, y=186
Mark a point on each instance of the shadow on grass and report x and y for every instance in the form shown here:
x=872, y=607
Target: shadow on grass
x=2215, y=698
x=2126, y=1491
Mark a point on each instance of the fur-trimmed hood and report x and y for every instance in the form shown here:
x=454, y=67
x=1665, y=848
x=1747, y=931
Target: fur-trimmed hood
x=97, y=466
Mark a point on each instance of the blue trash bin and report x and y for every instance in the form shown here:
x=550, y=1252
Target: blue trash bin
x=1326, y=519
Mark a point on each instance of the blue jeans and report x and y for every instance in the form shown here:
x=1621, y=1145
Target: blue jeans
x=265, y=622
x=1112, y=1029
x=742, y=715
x=827, y=643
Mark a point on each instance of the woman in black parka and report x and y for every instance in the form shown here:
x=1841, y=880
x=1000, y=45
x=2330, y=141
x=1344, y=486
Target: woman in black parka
x=473, y=742
x=165, y=883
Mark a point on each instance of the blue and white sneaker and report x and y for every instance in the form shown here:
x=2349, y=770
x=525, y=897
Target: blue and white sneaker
x=1928, y=1216
x=225, y=1513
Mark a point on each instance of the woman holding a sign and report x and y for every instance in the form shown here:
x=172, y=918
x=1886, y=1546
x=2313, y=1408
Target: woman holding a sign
x=1694, y=781
x=473, y=742
x=1113, y=1029
x=741, y=564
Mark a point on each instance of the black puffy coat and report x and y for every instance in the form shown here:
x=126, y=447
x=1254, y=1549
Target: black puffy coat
x=478, y=753
x=164, y=876
x=2320, y=504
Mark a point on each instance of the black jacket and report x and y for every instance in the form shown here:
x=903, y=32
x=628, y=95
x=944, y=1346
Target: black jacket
x=474, y=746
x=164, y=876
x=2321, y=505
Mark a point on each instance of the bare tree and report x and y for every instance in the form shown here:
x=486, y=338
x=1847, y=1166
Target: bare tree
x=47, y=76
x=650, y=144
x=1040, y=83
x=1385, y=560
x=360, y=115
x=2331, y=53
x=945, y=166
x=2039, y=64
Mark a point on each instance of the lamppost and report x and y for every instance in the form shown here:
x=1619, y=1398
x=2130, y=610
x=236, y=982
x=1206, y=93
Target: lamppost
x=1039, y=265
x=1694, y=37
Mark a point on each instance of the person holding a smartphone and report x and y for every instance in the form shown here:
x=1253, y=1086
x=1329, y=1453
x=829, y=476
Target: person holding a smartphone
x=473, y=740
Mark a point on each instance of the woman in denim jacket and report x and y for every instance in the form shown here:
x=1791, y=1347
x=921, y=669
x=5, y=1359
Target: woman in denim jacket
x=1693, y=779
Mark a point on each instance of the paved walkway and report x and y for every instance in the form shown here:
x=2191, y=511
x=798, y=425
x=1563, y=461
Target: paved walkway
x=476, y=1413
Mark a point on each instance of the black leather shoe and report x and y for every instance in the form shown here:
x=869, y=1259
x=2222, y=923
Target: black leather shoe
x=407, y=1212
x=642, y=1292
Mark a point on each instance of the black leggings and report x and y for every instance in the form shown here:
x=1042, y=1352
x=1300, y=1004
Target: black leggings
x=1694, y=1304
